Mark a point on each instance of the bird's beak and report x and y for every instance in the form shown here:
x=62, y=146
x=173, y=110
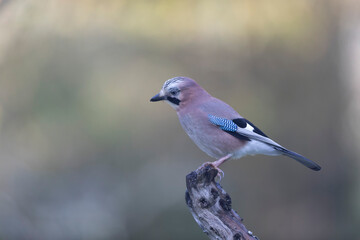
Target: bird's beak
x=157, y=98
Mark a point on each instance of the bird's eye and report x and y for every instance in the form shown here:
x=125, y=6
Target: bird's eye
x=174, y=92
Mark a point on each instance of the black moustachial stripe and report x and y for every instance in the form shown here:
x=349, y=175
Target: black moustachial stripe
x=173, y=100
x=242, y=122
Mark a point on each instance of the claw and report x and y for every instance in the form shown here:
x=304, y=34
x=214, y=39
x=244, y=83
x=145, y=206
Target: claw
x=217, y=163
x=220, y=173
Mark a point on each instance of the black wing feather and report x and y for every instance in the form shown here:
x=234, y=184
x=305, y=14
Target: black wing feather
x=242, y=122
x=238, y=136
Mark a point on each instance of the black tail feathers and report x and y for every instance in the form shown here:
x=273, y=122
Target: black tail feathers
x=301, y=159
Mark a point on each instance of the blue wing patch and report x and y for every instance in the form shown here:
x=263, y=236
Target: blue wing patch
x=228, y=126
x=224, y=124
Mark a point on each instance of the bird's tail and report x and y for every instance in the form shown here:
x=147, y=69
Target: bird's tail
x=301, y=159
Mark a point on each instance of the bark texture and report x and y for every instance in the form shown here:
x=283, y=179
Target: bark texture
x=211, y=208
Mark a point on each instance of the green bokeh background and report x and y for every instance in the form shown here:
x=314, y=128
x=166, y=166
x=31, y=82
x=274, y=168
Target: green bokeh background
x=85, y=155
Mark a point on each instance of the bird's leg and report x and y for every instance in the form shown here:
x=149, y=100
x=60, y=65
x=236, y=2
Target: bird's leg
x=217, y=163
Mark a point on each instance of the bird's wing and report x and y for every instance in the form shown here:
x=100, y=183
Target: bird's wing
x=242, y=127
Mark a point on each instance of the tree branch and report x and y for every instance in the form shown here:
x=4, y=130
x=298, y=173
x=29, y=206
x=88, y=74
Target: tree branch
x=211, y=208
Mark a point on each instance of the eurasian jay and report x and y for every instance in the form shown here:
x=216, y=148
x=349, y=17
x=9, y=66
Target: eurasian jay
x=216, y=128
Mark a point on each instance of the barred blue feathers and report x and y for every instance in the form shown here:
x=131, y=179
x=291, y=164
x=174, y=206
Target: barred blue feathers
x=224, y=124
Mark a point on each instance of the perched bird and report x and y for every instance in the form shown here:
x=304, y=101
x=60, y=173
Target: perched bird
x=216, y=128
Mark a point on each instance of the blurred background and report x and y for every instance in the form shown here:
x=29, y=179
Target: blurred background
x=85, y=155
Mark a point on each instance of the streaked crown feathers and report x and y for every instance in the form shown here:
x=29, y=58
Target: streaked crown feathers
x=175, y=80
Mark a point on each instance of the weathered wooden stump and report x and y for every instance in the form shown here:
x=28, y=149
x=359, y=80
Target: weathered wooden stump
x=211, y=208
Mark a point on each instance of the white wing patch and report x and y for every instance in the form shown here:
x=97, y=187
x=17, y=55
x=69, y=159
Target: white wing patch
x=249, y=127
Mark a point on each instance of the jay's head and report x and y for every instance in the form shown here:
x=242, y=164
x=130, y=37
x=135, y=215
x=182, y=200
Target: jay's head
x=178, y=91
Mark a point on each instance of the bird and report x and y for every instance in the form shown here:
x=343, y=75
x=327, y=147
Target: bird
x=216, y=128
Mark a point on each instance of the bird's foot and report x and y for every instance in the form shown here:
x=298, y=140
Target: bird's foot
x=216, y=165
x=220, y=173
